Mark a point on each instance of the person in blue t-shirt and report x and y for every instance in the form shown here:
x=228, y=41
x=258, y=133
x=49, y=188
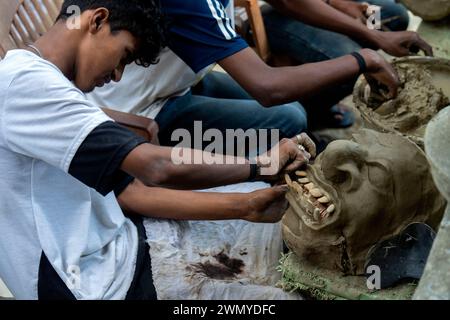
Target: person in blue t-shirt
x=181, y=89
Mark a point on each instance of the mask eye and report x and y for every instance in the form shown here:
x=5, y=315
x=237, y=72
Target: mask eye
x=342, y=163
x=348, y=176
x=335, y=174
x=379, y=176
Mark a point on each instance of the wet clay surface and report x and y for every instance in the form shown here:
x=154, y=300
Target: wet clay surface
x=356, y=194
x=424, y=91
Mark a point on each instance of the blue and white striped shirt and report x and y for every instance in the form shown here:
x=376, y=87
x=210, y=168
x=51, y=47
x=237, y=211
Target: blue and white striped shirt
x=201, y=31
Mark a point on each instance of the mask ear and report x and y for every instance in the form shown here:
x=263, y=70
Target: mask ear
x=342, y=163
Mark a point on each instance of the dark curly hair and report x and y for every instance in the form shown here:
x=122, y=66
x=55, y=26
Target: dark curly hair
x=142, y=18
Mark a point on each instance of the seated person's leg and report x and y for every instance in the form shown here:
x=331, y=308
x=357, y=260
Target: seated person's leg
x=220, y=85
x=305, y=43
x=391, y=9
x=223, y=114
x=308, y=44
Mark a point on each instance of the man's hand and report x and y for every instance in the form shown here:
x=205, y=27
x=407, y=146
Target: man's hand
x=398, y=44
x=266, y=206
x=402, y=43
x=380, y=74
x=287, y=156
x=355, y=10
x=304, y=140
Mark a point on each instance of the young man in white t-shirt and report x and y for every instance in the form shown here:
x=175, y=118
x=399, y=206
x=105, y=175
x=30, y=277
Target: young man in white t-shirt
x=63, y=233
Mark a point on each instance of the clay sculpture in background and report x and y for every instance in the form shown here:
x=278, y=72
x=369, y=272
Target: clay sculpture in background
x=357, y=193
x=423, y=92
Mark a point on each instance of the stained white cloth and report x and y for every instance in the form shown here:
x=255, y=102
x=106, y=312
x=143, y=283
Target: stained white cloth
x=180, y=249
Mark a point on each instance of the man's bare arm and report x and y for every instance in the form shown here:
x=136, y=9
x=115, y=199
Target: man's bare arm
x=274, y=86
x=318, y=13
x=266, y=205
x=157, y=166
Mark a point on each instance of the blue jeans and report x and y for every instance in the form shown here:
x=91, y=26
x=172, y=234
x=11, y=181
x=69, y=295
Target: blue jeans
x=307, y=44
x=221, y=103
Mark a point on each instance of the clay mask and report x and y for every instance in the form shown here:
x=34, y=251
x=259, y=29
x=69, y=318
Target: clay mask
x=430, y=10
x=424, y=91
x=357, y=193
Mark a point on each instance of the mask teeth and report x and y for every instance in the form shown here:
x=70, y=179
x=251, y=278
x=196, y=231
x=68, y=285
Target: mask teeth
x=301, y=174
x=314, y=200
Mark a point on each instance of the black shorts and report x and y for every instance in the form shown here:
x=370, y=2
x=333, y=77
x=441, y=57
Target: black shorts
x=52, y=287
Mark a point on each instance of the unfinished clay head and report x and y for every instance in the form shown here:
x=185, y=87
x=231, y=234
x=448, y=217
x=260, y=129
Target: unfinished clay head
x=356, y=194
x=429, y=10
x=424, y=91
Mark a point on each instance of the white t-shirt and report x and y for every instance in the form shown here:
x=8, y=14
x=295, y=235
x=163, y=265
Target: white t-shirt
x=144, y=91
x=43, y=121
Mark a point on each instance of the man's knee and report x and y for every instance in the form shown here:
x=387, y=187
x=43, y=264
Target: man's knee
x=402, y=21
x=332, y=45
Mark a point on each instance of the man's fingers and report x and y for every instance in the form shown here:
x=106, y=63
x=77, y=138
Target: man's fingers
x=424, y=46
x=392, y=81
x=300, y=160
x=363, y=7
x=280, y=191
x=309, y=144
x=304, y=140
x=270, y=204
x=392, y=89
x=363, y=19
x=280, y=200
x=388, y=78
x=366, y=5
x=415, y=43
x=297, y=156
x=387, y=88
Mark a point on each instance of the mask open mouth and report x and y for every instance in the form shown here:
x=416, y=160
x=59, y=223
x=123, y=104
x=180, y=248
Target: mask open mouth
x=312, y=200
